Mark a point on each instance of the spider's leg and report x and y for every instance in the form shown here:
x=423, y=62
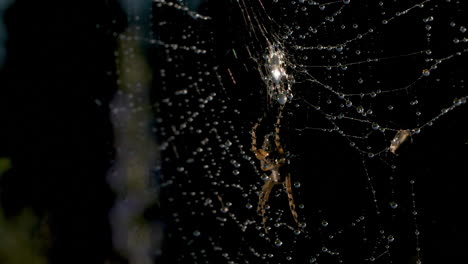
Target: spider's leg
x=277, y=131
x=263, y=199
x=253, y=132
x=292, y=205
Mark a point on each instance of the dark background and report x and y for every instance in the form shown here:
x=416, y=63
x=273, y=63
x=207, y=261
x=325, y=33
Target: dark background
x=58, y=138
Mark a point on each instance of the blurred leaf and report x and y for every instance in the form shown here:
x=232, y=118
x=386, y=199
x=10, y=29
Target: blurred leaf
x=23, y=239
x=5, y=165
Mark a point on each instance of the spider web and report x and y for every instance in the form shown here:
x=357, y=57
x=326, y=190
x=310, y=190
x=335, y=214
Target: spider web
x=361, y=71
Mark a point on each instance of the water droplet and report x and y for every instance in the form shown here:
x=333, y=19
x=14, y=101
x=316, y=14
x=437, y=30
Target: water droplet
x=393, y=205
x=426, y=72
x=196, y=233
x=458, y=101
x=282, y=99
x=324, y=223
x=278, y=243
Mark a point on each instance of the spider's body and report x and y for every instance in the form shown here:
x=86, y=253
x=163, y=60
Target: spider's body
x=277, y=80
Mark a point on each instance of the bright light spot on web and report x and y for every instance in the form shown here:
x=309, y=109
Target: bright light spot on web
x=276, y=75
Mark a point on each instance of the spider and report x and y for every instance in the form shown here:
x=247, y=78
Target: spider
x=272, y=158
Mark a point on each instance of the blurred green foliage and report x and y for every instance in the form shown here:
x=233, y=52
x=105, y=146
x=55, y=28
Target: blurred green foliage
x=24, y=239
x=5, y=165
